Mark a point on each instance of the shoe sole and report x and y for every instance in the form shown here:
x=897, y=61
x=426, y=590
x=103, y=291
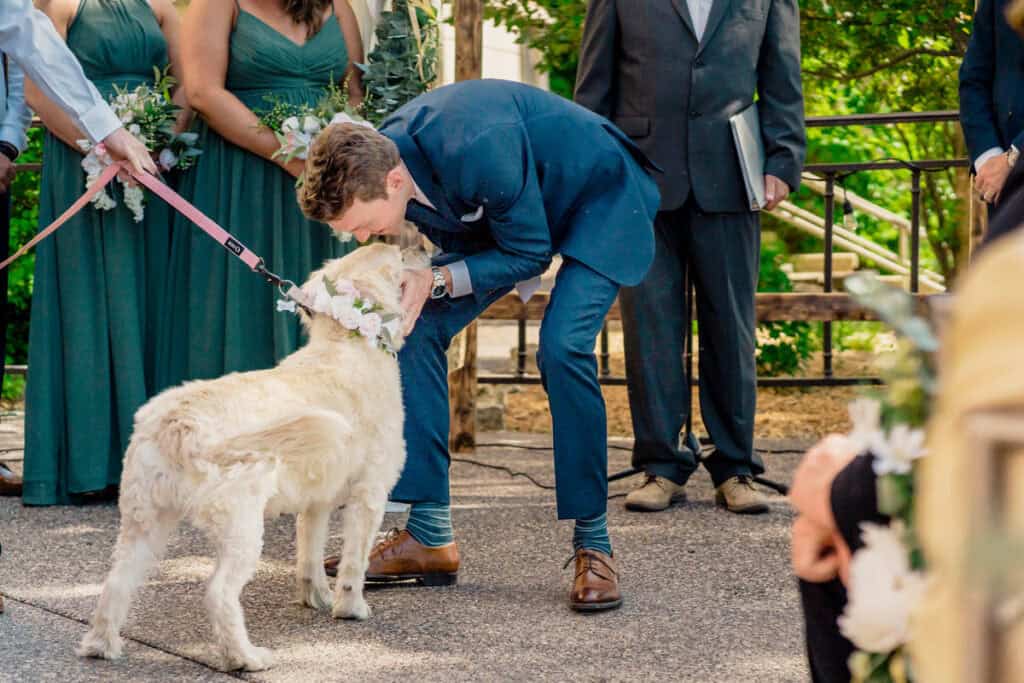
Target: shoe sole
x=640, y=507
x=595, y=606
x=428, y=580
x=756, y=509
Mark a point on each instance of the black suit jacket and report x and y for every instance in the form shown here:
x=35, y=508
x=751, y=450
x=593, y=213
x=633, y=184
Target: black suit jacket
x=642, y=67
x=992, y=82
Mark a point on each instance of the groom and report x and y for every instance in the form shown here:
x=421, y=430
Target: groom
x=501, y=177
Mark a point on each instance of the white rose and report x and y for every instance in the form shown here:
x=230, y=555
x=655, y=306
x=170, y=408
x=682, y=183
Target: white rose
x=866, y=415
x=310, y=125
x=134, y=129
x=370, y=325
x=883, y=591
x=167, y=158
x=321, y=299
x=340, y=304
x=290, y=125
x=346, y=288
x=897, y=453
x=351, y=318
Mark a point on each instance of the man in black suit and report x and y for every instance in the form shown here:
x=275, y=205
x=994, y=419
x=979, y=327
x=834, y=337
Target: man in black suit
x=992, y=101
x=670, y=73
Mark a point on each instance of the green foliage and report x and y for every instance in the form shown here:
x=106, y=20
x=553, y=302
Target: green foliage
x=552, y=27
x=783, y=348
x=404, y=62
x=24, y=224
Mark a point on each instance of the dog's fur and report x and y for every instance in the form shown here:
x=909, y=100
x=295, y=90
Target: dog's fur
x=322, y=429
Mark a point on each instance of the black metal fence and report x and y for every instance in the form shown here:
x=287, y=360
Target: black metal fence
x=830, y=173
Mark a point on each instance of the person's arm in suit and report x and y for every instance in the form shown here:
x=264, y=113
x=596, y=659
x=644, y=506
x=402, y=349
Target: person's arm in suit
x=780, y=93
x=510, y=195
x=15, y=121
x=977, y=73
x=595, y=76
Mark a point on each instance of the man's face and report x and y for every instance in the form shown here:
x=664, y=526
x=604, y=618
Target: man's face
x=376, y=216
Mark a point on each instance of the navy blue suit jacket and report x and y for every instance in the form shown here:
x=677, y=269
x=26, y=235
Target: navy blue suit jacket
x=549, y=176
x=992, y=82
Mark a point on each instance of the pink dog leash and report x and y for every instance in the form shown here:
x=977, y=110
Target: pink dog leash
x=184, y=207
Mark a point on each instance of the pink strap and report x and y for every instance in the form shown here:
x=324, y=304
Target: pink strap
x=167, y=194
x=94, y=189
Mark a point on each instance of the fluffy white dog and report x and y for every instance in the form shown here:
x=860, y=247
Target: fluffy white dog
x=322, y=429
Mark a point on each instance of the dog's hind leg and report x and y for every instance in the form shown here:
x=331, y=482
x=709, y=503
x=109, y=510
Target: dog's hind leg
x=361, y=520
x=140, y=545
x=312, y=589
x=239, y=539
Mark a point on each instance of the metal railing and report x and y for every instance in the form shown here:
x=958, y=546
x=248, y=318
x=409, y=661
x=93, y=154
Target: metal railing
x=831, y=173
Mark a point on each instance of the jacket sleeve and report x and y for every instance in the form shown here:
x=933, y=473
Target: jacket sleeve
x=595, y=76
x=16, y=120
x=780, y=94
x=497, y=172
x=28, y=37
x=977, y=73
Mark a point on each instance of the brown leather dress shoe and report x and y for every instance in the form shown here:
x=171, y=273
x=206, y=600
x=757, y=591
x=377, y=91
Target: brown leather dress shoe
x=400, y=557
x=596, y=584
x=10, y=483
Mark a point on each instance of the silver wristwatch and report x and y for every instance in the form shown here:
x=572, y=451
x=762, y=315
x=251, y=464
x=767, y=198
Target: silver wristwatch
x=1012, y=156
x=440, y=287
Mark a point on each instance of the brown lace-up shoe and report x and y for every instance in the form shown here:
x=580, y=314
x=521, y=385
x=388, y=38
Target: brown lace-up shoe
x=654, y=495
x=400, y=557
x=739, y=495
x=595, y=586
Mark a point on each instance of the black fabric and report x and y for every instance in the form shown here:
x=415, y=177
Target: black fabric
x=827, y=650
x=1008, y=214
x=5, y=238
x=854, y=500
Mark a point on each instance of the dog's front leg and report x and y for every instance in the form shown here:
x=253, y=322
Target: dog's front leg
x=361, y=519
x=312, y=589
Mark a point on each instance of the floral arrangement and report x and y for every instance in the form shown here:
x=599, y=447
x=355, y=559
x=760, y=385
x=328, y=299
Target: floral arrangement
x=358, y=314
x=149, y=114
x=887, y=576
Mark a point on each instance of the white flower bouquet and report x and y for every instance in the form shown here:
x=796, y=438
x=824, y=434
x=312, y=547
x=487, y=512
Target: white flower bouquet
x=149, y=114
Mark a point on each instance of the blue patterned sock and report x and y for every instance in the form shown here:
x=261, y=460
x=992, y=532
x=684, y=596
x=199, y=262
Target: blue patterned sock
x=593, y=534
x=431, y=524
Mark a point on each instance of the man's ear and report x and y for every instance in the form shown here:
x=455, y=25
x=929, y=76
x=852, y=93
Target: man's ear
x=394, y=180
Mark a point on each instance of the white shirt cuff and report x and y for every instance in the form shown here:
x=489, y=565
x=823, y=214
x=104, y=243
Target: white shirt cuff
x=985, y=156
x=99, y=122
x=461, y=284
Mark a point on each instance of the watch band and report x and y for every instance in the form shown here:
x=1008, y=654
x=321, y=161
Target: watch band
x=8, y=150
x=440, y=287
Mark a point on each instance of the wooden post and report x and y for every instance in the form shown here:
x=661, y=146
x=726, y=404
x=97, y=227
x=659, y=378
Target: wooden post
x=469, y=30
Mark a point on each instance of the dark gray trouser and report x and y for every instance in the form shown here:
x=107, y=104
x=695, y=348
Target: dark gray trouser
x=721, y=250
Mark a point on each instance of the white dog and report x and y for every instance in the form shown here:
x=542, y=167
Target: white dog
x=322, y=429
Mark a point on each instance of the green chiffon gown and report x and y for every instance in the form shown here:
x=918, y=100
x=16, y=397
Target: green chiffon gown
x=99, y=286
x=223, y=317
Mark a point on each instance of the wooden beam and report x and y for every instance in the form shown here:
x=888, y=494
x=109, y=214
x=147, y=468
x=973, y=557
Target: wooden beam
x=770, y=307
x=469, y=52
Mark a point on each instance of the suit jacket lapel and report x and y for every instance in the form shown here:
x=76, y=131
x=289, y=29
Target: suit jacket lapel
x=718, y=11
x=684, y=12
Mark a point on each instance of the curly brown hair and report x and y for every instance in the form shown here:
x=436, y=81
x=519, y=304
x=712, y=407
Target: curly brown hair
x=1015, y=15
x=307, y=12
x=346, y=162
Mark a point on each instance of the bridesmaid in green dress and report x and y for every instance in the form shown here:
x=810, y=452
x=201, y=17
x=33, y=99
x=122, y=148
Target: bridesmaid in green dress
x=99, y=282
x=236, y=55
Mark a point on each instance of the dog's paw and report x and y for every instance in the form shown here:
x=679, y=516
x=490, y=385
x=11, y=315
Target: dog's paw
x=351, y=608
x=311, y=594
x=100, y=645
x=253, y=659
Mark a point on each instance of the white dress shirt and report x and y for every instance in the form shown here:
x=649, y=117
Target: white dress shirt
x=14, y=113
x=28, y=38
x=699, y=11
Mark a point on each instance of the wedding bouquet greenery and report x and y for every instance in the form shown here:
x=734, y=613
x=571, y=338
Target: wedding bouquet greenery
x=148, y=113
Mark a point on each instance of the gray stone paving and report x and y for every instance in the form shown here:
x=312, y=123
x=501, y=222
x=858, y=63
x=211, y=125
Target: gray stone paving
x=709, y=596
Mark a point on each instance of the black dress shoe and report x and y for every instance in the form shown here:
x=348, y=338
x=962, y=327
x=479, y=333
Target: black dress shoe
x=10, y=483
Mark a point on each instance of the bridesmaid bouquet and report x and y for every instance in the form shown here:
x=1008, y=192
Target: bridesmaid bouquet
x=296, y=125
x=149, y=114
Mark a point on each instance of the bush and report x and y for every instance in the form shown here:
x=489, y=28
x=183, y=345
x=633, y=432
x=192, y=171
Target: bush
x=783, y=348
